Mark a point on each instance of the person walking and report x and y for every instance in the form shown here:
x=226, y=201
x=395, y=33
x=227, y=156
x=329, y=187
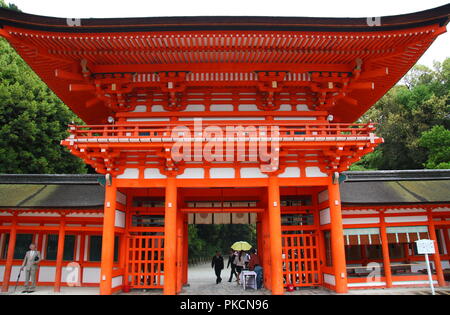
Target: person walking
x=231, y=263
x=218, y=265
x=240, y=264
x=30, y=264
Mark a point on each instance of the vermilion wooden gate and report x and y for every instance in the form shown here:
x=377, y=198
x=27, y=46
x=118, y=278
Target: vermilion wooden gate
x=145, y=261
x=301, y=263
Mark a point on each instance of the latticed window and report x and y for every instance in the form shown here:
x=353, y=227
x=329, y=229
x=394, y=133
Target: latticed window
x=52, y=247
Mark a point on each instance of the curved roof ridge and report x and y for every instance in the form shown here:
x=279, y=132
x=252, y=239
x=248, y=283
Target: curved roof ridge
x=436, y=15
x=397, y=175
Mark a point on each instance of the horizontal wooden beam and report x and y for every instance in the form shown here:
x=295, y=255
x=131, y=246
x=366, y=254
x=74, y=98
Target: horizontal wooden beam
x=221, y=67
x=222, y=210
x=72, y=76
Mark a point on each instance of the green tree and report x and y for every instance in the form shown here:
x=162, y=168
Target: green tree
x=8, y=6
x=437, y=142
x=404, y=114
x=206, y=240
x=33, y=121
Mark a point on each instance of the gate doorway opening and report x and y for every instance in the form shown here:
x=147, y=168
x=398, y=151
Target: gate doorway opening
x=204, y=242
x=212, y=219
x=217, y=219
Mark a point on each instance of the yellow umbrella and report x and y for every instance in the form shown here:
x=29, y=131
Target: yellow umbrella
x=241, y=246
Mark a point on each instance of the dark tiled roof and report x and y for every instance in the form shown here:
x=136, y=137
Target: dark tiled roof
x=396, y=187
x=361, y=188
x=51, y=191
x=222, y=23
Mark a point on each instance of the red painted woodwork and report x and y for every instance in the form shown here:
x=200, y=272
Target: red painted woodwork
x=145, y=261
x=301, y=261
x=134, y=80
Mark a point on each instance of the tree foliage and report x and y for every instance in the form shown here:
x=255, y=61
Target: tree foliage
x=205, y=240
x=406, y=113
x=10, y=6
x=437, y=141
x=33, y=121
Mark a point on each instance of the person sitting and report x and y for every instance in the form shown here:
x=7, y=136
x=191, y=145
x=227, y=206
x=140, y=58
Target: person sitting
x=255, y=265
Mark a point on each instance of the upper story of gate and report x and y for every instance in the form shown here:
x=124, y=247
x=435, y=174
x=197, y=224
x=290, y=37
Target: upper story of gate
x=164, y=69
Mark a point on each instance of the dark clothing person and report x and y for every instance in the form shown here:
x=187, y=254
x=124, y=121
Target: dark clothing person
x=231, y=263
x=218, y=265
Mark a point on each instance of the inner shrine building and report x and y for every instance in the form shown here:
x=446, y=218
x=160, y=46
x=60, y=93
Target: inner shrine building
x=224, y=120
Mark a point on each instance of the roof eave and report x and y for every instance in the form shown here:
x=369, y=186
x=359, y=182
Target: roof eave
x=438, y=15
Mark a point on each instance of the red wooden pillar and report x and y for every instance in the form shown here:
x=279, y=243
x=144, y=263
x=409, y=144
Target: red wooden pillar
x=447, y=240
x=437, y=256
x=170, y=238
x=266, y=249
x=337, y=238
x=82, y=258
x=108, y=240
x=60, y=255
x=10, y=257
x=386, y=255
x=185, y=250
x=275, y=236
x=127, y=238
x=180, y=250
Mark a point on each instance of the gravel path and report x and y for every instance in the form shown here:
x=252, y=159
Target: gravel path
x=202, y=281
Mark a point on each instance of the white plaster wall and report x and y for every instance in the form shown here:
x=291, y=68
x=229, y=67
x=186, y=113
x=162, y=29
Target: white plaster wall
x=222, y=173
x=366, y=284
x=117, y=281
x=406, y=219
x=47, y=274
x=15, y=273
x=195, y=108
x=360, y=221
x=192, y=173
x=91, y=275
x=222, y=108
x=329, y=279
x=248, y=108
x=129, y=173
x=291, y=172
x=153, y=173
x=252, y=172
x=314, y=172
x=120, y=219
x=325, y=216
x=140, y=109
x=323, y=196
x=303, y=108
